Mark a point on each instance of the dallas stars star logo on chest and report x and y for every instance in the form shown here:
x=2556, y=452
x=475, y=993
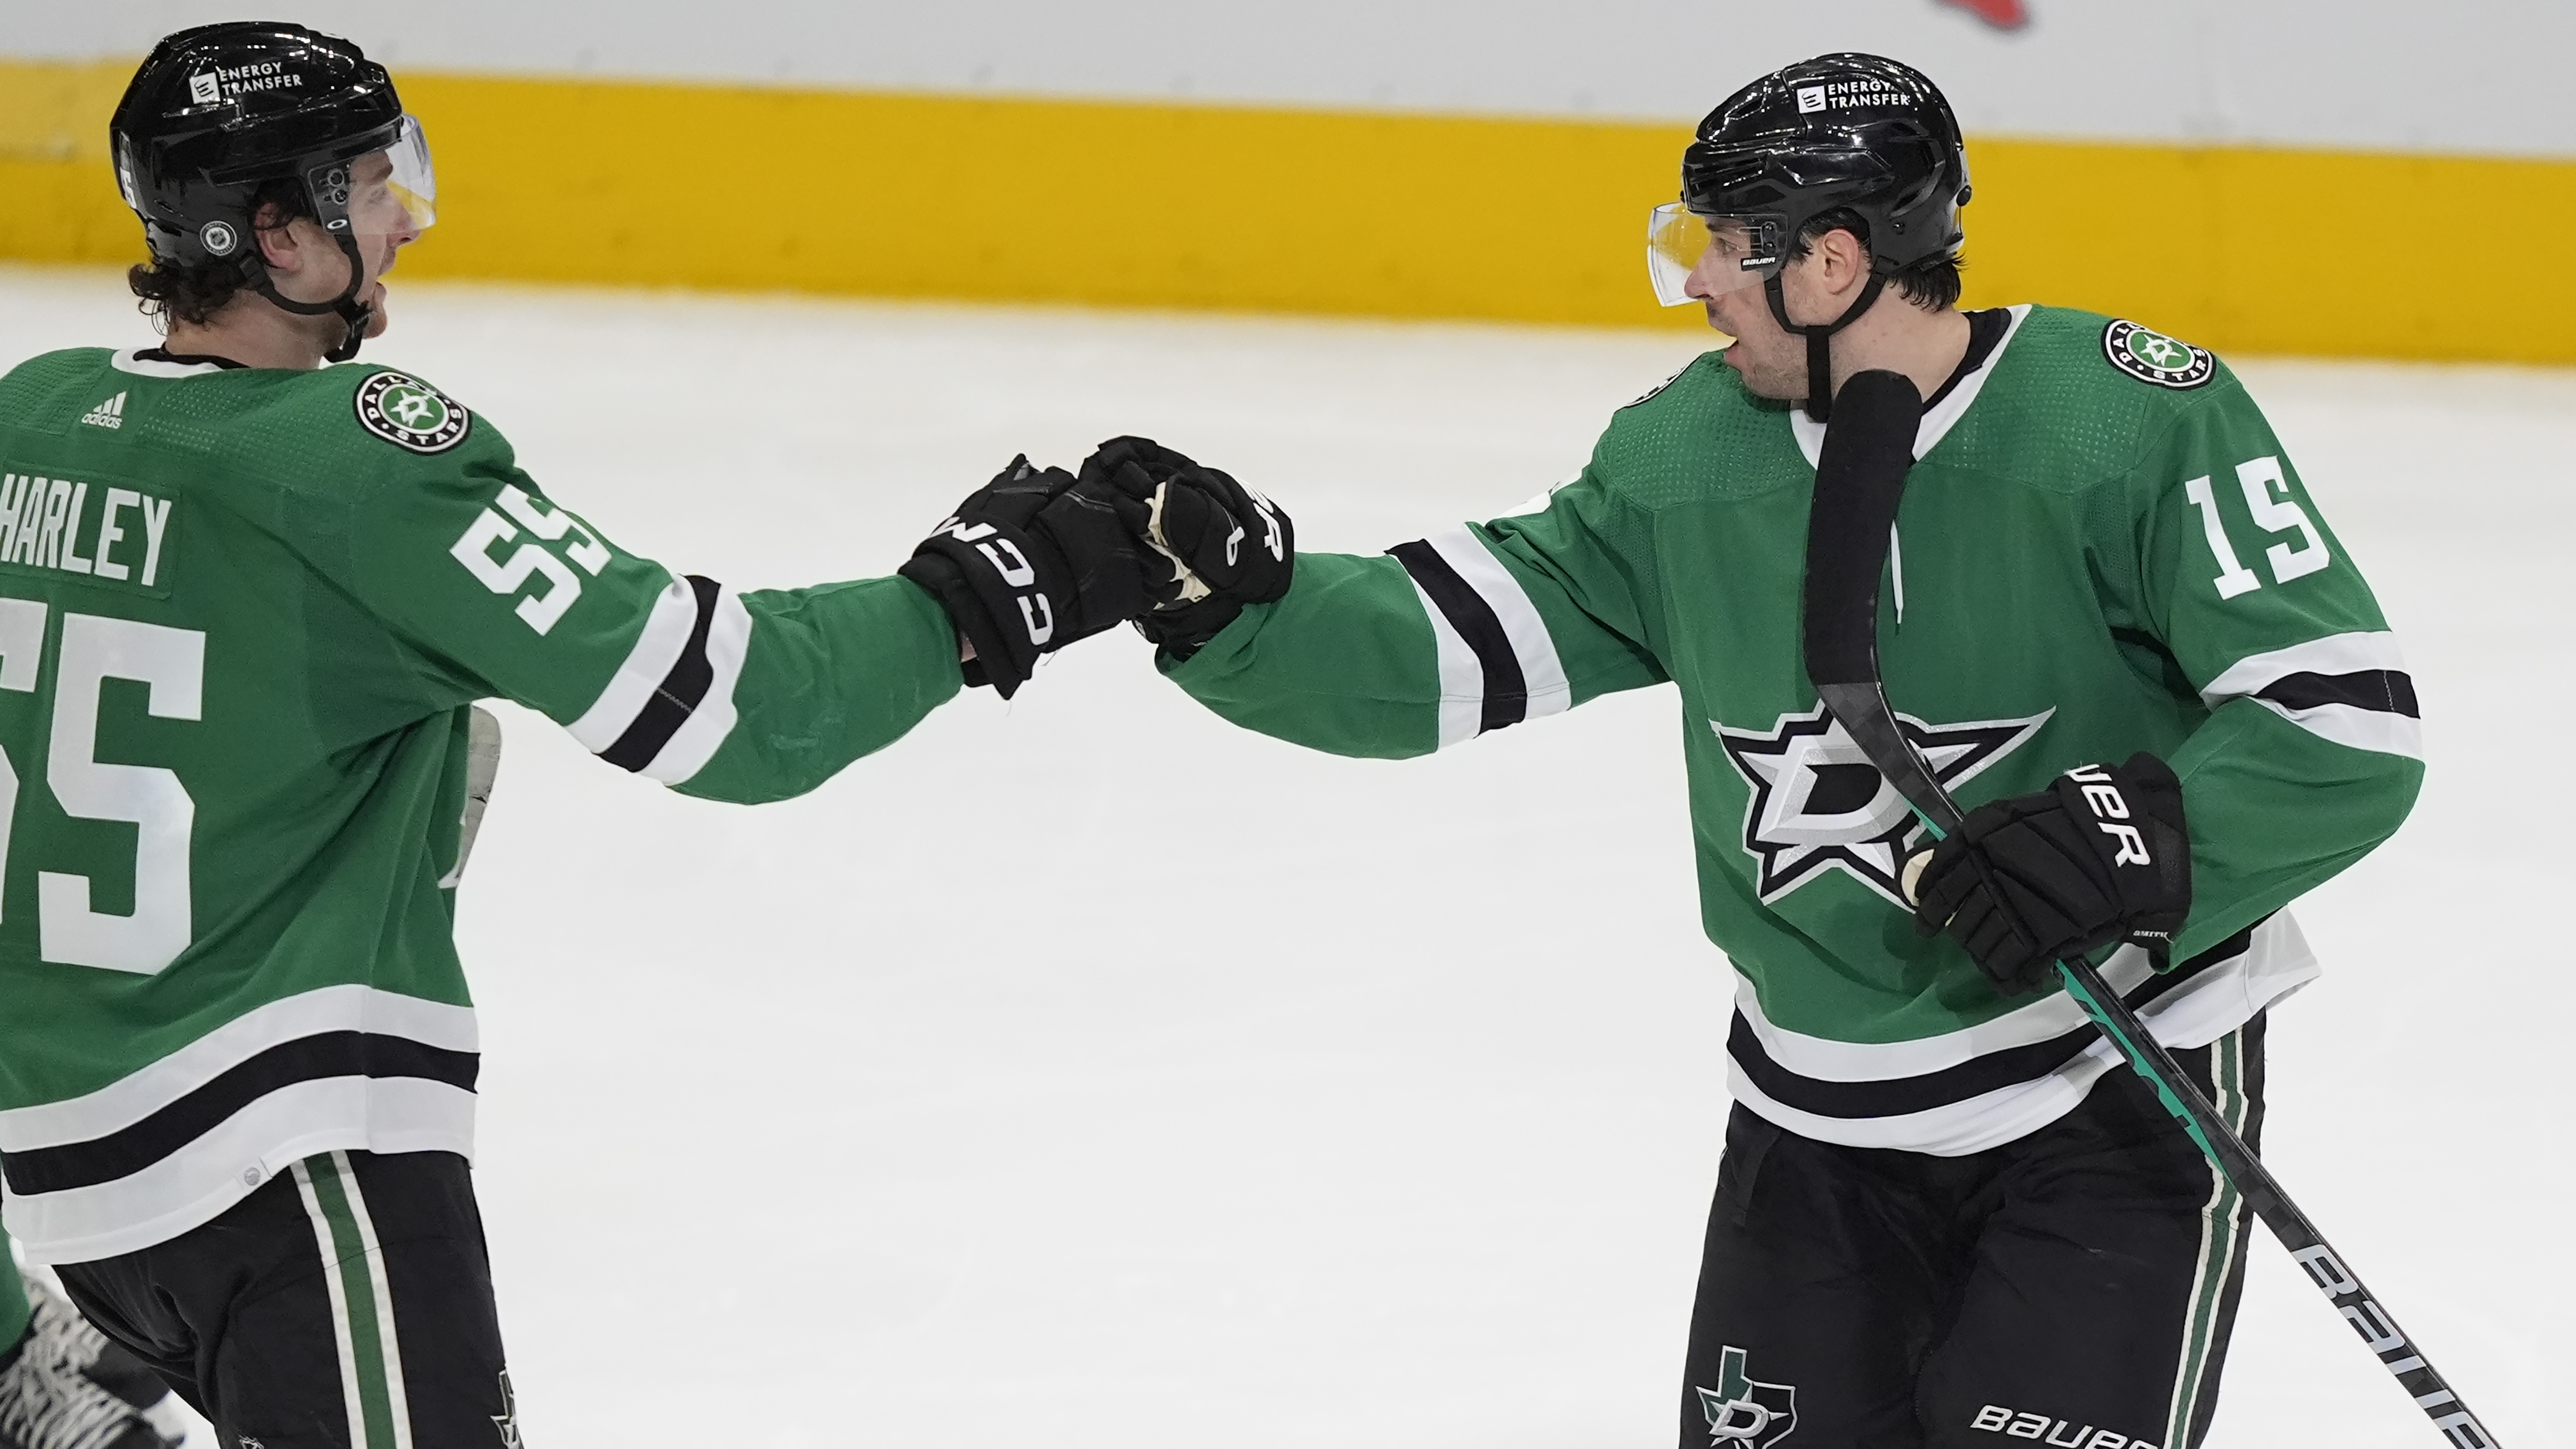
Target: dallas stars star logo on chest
x=1818, y=804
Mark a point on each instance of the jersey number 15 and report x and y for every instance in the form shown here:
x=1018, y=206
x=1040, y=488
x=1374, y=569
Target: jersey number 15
x=2258, y=480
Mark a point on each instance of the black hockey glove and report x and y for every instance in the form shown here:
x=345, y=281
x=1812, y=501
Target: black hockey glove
x=2101, y=855
x=1223, y=545
x=1029, y=563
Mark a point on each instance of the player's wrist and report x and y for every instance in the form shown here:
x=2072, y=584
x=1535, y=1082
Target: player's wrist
x=979, y=641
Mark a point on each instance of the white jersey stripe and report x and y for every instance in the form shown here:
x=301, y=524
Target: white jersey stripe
x=197, y=1183
x=1973, y=1125
x=666, y=633
x=1462, y=677
x=2212, y=1004
x=2010, y=1113
x=2375, y=730
x=128, y=1100
x=2276, y=960
x=709, y=725
x=1542, y=673
x=2382, y=731
x=2335, y=654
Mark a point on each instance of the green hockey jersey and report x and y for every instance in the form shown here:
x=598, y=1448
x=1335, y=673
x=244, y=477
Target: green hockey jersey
x=242, y=616
x=2102, y=549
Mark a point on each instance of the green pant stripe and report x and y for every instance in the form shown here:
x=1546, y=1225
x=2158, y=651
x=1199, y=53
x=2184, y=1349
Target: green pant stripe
x=369, y=1369
x=397, y=1397
x=2218, y=1245
x=335, y=1285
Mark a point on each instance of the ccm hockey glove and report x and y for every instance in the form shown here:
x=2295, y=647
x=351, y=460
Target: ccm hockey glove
x=1224, y=546
x=1029, y=563
x=2101, y=855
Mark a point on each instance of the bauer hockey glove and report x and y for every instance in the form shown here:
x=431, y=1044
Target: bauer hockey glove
x=1029, y=563
x=2101, y=855
x=1221, y=545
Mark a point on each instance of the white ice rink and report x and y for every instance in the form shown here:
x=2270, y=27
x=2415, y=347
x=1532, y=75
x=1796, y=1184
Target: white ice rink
x=985, y=1098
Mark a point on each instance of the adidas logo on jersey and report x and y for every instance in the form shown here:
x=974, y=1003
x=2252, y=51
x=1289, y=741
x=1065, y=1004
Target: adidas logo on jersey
x=109, y=414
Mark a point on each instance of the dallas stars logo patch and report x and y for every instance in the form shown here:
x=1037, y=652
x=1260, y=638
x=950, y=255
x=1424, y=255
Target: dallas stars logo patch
x=1743, y=1414
x=2154, y=357
x=1818, y=804
x=411, y=414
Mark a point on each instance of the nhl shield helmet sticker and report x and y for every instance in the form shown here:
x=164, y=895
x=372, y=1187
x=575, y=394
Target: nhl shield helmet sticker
x=409, y=413
x=1744, y=1413
x=2154, y=357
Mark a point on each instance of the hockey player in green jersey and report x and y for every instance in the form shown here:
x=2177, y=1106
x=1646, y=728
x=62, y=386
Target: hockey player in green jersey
x=1943, y=1218
x=246, y=601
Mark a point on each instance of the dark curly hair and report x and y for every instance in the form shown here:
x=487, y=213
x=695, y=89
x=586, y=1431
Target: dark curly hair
x=175, y=292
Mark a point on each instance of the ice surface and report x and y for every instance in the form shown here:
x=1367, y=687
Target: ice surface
x=985, y=1097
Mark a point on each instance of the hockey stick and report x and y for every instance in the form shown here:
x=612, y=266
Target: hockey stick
x=1860, y=475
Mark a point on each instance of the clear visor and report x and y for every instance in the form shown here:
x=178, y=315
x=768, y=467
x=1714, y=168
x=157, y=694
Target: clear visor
x=382, y=193
x=1722, y=253
x=414, y=182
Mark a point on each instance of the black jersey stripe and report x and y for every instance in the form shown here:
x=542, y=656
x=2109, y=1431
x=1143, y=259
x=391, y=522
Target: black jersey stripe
x=1994, y=1071
x=2389, y=691
x=1506, y=688
x=677, y=696
x=130, y=1150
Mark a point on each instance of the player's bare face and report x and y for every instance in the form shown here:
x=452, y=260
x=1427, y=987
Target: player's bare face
x=382, y=226
x=1772, y=362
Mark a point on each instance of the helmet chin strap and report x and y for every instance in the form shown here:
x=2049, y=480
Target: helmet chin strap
x=346, y=306
x=1820, y=371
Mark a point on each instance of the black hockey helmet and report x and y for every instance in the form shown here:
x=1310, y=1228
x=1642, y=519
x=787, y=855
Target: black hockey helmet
x=218, y=111
x=1842, y=131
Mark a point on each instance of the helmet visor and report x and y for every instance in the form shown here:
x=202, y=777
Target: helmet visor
x=1722, y=253
x=380, y=193
x=414, y=183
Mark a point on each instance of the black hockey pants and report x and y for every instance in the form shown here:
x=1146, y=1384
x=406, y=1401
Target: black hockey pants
x=2074, y=1288
x=346, y=1304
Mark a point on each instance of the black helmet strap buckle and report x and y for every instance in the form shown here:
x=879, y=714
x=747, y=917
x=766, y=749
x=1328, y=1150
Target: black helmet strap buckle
x=1819, y=335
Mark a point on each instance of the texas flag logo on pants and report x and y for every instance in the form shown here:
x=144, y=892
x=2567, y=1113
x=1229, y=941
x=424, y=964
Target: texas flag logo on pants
x=1743, y=1413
